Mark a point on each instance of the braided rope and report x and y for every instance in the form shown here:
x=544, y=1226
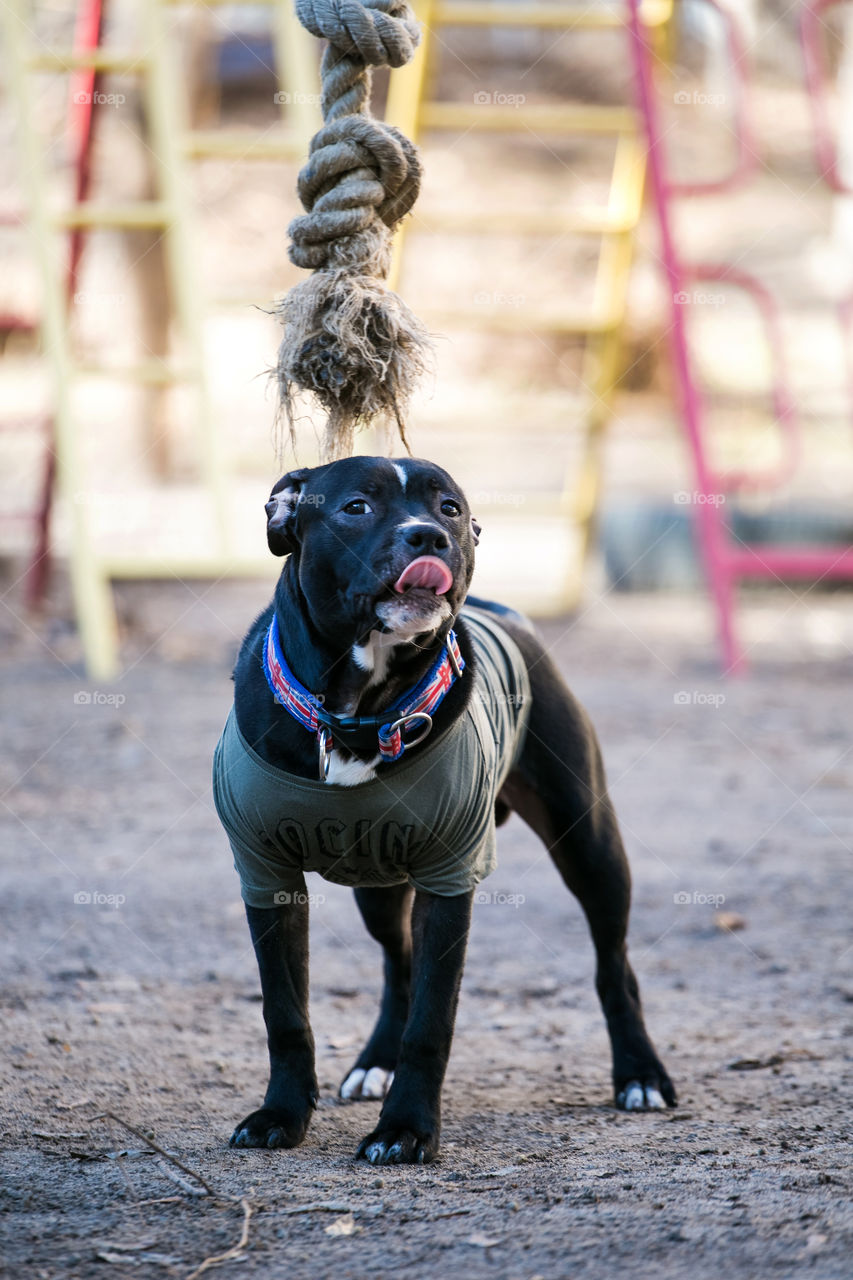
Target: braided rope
x=347, y=339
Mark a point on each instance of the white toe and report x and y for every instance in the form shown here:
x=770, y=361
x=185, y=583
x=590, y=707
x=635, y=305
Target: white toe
x=634, y=1099
x=377, y=1082
x=654, y=1101
x=352, y=1086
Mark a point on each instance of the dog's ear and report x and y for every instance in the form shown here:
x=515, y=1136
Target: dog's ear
x=476, y=530
x=281, y=512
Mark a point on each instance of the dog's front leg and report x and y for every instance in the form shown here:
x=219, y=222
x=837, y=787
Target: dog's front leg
x=410, y=1121
x=280, y=938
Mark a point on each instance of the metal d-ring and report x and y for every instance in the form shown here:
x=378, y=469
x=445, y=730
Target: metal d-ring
x=457, y=670
x=323, y=736
x=405, y=720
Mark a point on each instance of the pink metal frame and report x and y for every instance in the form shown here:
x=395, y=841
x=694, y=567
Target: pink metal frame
x=826, y=147
x=746, y=153
x=811, y=25
x=726, y=562
x=782, y=398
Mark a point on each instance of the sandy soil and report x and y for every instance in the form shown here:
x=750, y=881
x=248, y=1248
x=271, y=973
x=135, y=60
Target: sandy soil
x=144, y=1000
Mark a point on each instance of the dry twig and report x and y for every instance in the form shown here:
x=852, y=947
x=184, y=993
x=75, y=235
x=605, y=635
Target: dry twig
x=229, y=1254
x=137, y=1133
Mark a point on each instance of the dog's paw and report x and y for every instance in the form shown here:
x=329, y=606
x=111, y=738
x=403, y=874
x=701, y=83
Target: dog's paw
x=269, y=1128
x=367, y=1082
x=654, y=1093
x=392, y=1145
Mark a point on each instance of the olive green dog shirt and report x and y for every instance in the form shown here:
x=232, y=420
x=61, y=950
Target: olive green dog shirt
x=428, y=819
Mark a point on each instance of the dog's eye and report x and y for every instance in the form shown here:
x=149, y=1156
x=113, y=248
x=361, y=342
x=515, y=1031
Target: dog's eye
x=358, y=507
x=450, y=508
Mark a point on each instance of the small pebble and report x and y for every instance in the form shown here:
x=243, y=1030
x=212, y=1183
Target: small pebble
x=728, y=921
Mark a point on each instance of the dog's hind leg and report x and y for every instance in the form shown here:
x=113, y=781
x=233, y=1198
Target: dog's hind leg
x=559, y=789
x=387, y=913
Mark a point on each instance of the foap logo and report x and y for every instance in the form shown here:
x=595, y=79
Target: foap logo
x=509, y=99
x=98, y=899
x=497, y=498
x=500, y=699
x=111, y=512
x=698, y=698
x=297, y=99
x=693, y=497
x=697, y=899
x=104, y=301
x=300, y=300
x=284, y=898
x=698, y=298
x=82, y=99
x=697, y=98
x=483, y=898
x=95, y=698
x=495, y=298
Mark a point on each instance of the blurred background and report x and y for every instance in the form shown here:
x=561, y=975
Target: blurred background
x=146, y=193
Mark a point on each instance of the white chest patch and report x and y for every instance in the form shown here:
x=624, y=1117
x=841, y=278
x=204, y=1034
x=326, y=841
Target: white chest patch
x=351, y=772
x=375, y=655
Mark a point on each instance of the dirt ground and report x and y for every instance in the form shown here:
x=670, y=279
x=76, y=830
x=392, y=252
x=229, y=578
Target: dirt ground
x=131, y=988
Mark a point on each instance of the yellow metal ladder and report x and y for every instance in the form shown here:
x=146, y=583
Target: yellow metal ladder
x=412, y=106
x=172, y=145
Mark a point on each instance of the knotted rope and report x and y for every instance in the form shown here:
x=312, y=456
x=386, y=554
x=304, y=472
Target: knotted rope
x=347, y=338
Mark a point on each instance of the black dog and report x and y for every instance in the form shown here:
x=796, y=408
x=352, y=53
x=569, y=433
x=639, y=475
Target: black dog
x=363, y=656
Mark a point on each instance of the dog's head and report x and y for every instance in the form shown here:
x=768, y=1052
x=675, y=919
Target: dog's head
x=375, y=544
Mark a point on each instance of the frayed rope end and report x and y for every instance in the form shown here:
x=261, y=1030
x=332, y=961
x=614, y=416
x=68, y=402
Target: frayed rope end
x=356, y=347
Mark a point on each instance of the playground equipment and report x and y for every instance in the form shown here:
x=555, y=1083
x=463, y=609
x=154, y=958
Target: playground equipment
x=172, y=146
x=413, y=106
x=215, y=498
x=81, y=117
x=728, y=561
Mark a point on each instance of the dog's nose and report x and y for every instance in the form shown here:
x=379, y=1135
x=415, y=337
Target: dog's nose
x=425, y=538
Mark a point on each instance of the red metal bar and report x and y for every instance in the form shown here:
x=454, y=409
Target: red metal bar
x=808, y=563
x=708, y=523
x=81, y=121
x=725, y=561
x=782, y=397
x=10, y=323
x=746, y=158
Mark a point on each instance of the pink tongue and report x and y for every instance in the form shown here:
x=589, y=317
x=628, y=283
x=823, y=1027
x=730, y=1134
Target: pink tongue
x=426, y=571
